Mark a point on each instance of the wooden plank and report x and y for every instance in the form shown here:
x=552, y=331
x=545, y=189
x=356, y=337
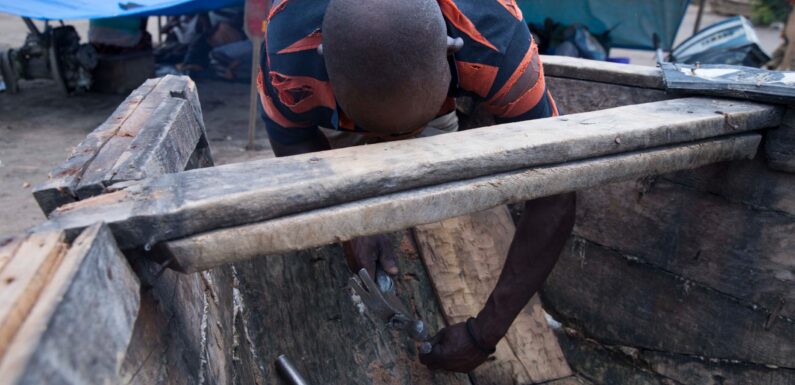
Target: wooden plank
x=102, y=169
x=321, y=328
x=603, y=72
x=81, y=324
x=8, y=247
x=743, y=253
x=23, y=278
x=749, y=183
x=464, y=257
x=61, y=185
x=259, y=190
x=431, y=204
x=573, y=96
x=692, y=370
x=163, y=146
x=623, y=301
x=780, y=143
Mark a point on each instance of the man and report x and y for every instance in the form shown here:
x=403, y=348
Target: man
x=364, y=71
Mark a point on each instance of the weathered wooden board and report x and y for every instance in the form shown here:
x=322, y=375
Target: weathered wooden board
x=749, y=183
x=159, y=121
x=80, y=326
x=603, y=72
x=780, y=144
x=23, y=278
x=700, y=371
x=431, y=204
x=184, y=330
x=603, y=365
x=299, y=305
x=8, y=247
x=142, y=135
x=61, y=185
x=744, y=253
x=464, y=257
x=573, y=96
x=618, y=300
x=176, y=205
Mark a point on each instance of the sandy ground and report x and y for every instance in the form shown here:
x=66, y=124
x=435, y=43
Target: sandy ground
x=39, y=126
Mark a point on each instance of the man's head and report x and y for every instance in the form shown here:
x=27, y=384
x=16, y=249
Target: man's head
x=387, y=61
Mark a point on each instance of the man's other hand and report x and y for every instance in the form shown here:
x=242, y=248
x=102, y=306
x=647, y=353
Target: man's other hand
x=365, y=252
x=453, y=350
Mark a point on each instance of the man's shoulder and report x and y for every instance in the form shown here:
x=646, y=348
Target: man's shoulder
x=485, y=24
x=294, y=25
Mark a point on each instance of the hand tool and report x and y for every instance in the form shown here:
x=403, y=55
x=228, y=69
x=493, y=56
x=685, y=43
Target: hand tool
x=379, y=297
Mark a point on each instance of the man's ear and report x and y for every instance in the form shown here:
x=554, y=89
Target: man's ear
x=453, y=45
x=320, y=49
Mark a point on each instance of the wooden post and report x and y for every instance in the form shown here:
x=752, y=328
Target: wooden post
x=256, y=12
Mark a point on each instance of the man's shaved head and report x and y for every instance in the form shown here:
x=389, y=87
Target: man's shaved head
x=387, y=61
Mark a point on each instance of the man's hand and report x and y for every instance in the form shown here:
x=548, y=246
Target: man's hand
x=365, y=252
x=453, y=350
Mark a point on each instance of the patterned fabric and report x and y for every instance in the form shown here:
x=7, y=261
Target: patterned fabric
x=499, y=66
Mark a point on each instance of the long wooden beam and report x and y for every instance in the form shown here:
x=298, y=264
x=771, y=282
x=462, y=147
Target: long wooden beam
x=603, y=72
x=431, y=204
x=177, y=205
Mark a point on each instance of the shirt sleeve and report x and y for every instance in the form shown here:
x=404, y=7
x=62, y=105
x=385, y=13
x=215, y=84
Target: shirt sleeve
x=282, y=125
x=523, y=94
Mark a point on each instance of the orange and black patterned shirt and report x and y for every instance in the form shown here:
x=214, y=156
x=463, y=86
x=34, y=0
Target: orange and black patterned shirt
x=499, y=66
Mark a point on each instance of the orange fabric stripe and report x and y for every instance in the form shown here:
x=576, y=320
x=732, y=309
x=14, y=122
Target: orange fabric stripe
x=554, y=105
x=311, y=41
x=475, y=77
x=459, y=20
x=270, y=109
x=511, y=6
x=278, y=8
x=302, y=93
x=528, y=99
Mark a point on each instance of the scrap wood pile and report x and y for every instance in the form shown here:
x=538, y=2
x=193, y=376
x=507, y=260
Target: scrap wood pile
x=259, y=279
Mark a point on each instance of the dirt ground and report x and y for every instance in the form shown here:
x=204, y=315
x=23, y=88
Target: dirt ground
x=39, y=126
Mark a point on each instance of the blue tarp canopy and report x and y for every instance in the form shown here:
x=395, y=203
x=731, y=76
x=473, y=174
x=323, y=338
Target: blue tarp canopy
x=97, y=9
x=632, y=23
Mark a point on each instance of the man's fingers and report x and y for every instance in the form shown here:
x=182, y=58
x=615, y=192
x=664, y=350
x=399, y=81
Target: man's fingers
x=433, y=358
x=387, y=257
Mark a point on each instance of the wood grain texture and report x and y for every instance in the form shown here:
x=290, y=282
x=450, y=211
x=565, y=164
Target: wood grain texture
x=749, y=183
x=299, y=304
x=780, y=144
x=80, y=326
x=61, y=185
x=464, y=257
x=573, y=96
x=616, y=299
x=743, y=253
x=603, y=72
x=254, y=191
x=137, y=141
x=8, y=247
x=431, y=204
x=23, y=278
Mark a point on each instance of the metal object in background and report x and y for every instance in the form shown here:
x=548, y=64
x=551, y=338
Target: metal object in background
x=289, y=372
x=379, y=297
x=55, y=53
x=732, y=41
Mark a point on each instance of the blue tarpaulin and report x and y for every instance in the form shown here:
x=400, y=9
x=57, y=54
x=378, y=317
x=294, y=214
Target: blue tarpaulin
x=632, y=23
x=96, y=9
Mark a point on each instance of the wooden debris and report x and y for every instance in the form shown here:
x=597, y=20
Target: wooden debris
x=464, y=257
x=79, y=328
x=431, y=204
x=21, y=281
x=177, y=205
